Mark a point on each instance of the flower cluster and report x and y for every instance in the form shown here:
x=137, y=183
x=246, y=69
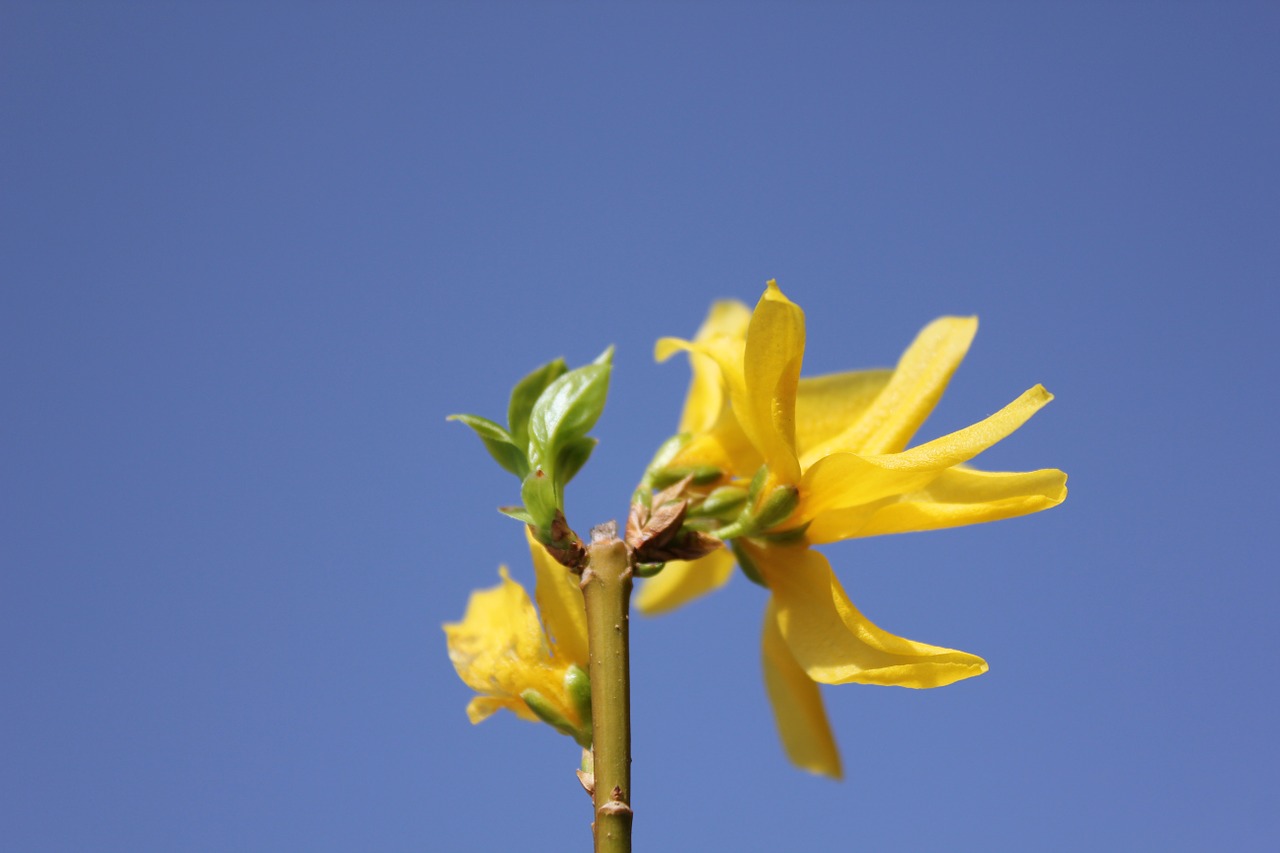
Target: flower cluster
x=827, y=459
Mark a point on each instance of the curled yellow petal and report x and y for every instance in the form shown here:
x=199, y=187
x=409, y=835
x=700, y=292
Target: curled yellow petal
x=682, y=581
x=957, y=496
x=848, y=479
x=766, y=401
x=560, y=602
x=726, y=325
x=834, y=643
x=910, y=395
x=797, y=705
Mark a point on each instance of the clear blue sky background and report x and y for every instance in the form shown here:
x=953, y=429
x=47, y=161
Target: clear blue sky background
x=252, y=254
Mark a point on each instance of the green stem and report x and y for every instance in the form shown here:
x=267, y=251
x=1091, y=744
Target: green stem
x=606, y=588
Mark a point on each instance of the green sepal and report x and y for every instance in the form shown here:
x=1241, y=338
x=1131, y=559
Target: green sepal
x=747, y=565
x=723, y=502
x=577, y=685
x=539, y=495
x=647, y=570
x=519, y=513
x=757, y=482
x=666, y=452
x=786, y=537
x=776, y=507
x=702, y=475
x=525, y=394
x=566, y=410
x=546, y=712
x=571, y=459
x=498, y=442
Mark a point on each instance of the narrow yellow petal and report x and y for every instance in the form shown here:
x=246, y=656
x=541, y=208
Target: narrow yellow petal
x=956, y=497
x=797, y=705
x=847, y=479
x=723, y=444
x=827, y=405
x=727, y=321
x=680, y=582
x=481, y=708
x=560, y=602
x=766, y=403
x=834, y=643
x=909, y=397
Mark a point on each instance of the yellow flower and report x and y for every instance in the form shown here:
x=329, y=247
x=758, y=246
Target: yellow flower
x=834, y=449
x=535, y=669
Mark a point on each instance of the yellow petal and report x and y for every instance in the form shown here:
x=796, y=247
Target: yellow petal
x=797, y=705
x=500, y=650
x=834, y=643
x=848, y=479
x=681, y=581
x=727, y=321
x=560, y=602
x=827, y=405
x=957, y=496
x=918, y=381
x=481, y=708
x=766, y=403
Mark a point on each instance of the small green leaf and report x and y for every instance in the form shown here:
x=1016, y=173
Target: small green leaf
x=571, y=459
x=525, y=394
x=566, y=411
x=517, y=512
x=497, y=442
x=539, y=495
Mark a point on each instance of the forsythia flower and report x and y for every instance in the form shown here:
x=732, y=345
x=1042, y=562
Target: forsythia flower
x=835, y=466
x=535, y=669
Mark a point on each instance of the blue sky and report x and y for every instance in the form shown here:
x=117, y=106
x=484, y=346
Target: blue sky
x=252, y=254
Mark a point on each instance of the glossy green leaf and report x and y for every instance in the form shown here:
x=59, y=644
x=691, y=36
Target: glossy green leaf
x=539, y=495
x=498, y=442
x=517, y=512
x=571, y=459
x=566, y=411
x=525, y=394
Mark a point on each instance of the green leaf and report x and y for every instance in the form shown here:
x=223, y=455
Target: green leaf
x=525, y=394
x=571, y=459
x=539, y=495
x=517, y=512
x=497, y=442
x=566, y=411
